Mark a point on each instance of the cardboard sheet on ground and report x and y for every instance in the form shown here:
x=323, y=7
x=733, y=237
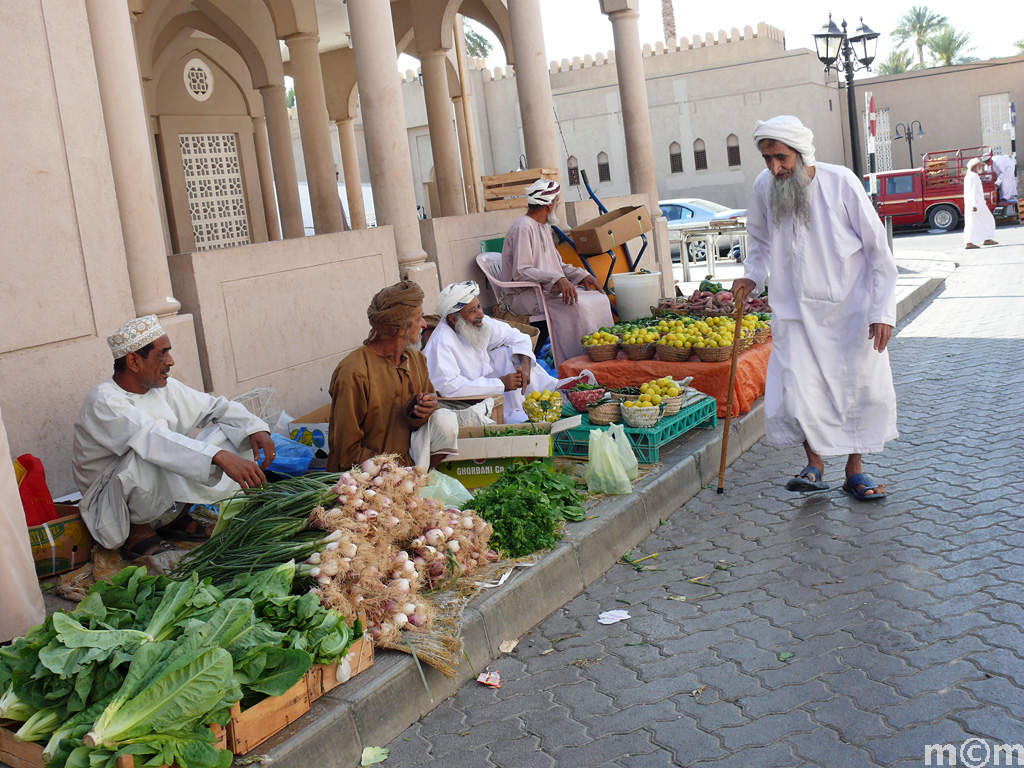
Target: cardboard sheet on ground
x=710, y=378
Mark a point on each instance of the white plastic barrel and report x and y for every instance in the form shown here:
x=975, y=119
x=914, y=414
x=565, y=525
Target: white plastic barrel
x=636, y=293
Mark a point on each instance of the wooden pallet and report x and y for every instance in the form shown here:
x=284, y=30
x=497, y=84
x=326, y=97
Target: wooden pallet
x=503, y=191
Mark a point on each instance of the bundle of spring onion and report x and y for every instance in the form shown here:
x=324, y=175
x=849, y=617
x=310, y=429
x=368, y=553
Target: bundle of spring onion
x=385, y=550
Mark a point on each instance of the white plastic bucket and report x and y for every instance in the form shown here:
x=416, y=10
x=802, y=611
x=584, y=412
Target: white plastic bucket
x=636, y=293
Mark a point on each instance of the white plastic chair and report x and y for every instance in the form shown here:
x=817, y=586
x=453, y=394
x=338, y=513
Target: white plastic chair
x=490, y=263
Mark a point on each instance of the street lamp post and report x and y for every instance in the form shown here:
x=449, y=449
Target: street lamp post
x=909, y=136
x=858, y=52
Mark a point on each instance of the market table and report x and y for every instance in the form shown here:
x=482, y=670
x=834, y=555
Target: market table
x=710, y=378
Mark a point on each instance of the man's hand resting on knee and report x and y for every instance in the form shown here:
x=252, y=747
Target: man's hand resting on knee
x=244, y=472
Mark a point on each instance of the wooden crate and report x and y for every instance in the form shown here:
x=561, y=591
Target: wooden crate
x=248, y=728
x=508, y=190
x=324, y=677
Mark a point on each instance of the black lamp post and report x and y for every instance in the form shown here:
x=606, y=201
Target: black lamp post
x=908, y=130
x=858, y=52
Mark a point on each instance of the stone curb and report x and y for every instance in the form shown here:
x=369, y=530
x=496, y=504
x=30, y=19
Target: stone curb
x=377, y=706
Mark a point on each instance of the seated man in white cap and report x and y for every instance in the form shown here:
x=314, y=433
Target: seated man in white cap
x=529, y=255
x=134, y=461
x=979, y=223
x=812, y=228
x=472, y=354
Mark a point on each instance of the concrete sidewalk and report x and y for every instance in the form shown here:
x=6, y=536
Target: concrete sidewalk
x=375, y=707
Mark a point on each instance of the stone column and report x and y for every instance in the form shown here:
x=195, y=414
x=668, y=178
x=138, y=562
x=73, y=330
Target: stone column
x=286, y=181
x=124, y=114
x=315, y=132
x=443, y=145
x=533, y=84
x=259, y=125
x=350, y=167
x=464, y=152
x=387, y=143
x=636, y=120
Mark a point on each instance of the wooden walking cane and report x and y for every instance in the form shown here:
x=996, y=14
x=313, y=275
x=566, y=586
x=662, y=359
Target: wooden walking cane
x=741, y=296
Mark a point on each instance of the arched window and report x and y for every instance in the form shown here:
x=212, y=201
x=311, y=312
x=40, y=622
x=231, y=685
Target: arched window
x=732, y=145
x=700, y=155
x=675, y=157
x=604, y=172
x=574, y=172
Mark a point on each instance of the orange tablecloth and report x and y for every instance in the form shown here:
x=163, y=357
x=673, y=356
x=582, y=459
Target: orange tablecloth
x=710, y=378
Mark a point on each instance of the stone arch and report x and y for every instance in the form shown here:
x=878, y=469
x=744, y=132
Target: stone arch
x=732, y=150
x=675, y=157
x=700, y=155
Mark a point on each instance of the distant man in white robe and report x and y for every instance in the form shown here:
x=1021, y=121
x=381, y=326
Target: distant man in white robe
x=472, y=354
x=979, y=223
x=529, y=255
x=134, y=461
x=812, y=228
x=1005, y=170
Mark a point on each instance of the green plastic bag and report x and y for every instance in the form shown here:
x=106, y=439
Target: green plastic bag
x=605, y=470
x=446, y=490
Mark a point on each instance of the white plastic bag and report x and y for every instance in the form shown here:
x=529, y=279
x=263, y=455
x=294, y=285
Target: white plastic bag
x=629, y=460
x=605, y=470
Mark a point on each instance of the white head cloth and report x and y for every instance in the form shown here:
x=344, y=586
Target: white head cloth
x=973, y=162
x=542, y=192
x=790, y=131
x=455, y=296
x=134, y=335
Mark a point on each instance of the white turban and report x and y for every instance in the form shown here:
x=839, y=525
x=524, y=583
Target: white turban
x=973, y=162
x=456, y=296
x=790, y=131
x=542, y=192
x=134, y=335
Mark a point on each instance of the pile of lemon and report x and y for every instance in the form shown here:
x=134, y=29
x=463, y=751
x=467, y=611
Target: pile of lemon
x=642, y=336
x=710, y=332
x=652, y=393
x=543, y=406
x=599, y=338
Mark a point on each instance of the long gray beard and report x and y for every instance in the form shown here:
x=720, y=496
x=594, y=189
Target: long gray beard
x=789, y=196
x=476, y=337
x=418, y=346
x=553, y=220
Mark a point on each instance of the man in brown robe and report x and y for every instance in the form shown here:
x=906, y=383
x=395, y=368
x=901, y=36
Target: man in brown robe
x=382, y=400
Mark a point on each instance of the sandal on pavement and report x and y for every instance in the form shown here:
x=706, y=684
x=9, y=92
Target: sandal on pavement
x=971, y=247
x=809, y=479
x=856, y=485
x=149, y=546
x=990, y=242
x=186, y=528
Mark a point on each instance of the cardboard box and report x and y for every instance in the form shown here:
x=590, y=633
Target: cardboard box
x=612, y=229
x=481, y=460
x=311, y=429
x=62, y=544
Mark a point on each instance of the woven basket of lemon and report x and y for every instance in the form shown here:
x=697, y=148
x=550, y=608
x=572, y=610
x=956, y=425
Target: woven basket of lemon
x=641, y=413
x=543, y=406
x=762, y=328
x=666, y=393
x=713, y=342
x=601, y=346
x=640, y=344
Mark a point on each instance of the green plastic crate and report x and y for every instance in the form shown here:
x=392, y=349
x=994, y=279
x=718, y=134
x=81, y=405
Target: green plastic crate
x=492, y=245
x=647, y=443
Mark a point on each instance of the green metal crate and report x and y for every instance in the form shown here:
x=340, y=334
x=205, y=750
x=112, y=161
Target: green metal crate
x=647, y=443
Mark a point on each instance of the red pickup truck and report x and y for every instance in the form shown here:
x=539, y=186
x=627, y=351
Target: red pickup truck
x=933, y=195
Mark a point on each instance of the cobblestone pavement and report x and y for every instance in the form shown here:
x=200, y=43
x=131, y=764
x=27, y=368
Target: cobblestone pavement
x=775, y=629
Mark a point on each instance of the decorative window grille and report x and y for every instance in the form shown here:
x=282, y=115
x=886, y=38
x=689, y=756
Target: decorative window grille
x=604, y=171
x=995, y=113
x=198, y=79
x=216, y=196
x=883, y=140
x=574, y=172
x=732, y=146
x=700, y=155
x=675, y=157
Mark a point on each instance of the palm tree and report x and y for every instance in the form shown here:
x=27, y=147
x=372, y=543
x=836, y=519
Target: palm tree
x=949, y=47
x=918, y=24
x=899, y=61
x=668, y=18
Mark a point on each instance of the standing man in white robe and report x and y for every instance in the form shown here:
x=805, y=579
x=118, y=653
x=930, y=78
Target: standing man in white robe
x=979, y=223
x=529, y=255
x=133, y=459
x=833, y=295
x=472, y=354
x=1006, y=177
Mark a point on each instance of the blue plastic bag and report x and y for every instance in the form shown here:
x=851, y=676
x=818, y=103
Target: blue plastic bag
x=293, y=458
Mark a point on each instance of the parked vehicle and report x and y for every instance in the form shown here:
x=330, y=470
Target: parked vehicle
x=692, y=213
x=933, y=195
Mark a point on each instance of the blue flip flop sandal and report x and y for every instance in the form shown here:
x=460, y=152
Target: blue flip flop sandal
x=855, y=485
x=809, y=479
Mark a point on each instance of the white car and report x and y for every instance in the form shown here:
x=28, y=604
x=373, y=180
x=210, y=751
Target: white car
x=687, y=214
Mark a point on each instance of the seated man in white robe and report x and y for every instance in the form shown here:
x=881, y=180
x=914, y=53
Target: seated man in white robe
x=134, y=461
x=471, y=354
x=812, y=228
x=529, y=255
